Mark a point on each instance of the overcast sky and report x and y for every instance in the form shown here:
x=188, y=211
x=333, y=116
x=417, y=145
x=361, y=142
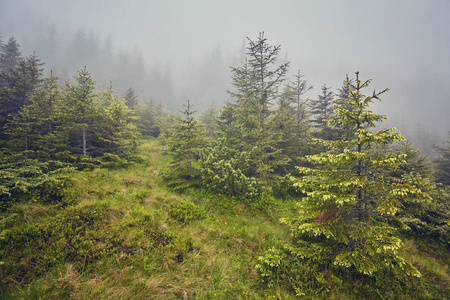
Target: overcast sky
x=400, y=44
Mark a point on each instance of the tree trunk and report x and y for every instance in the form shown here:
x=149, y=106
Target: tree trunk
x=84, y=142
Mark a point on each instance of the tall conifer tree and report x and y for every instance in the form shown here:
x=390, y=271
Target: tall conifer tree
x=82, y=109
x=350, y=192
x=257, y=85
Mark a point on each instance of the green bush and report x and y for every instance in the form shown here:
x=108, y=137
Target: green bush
x=224, y=171
x=186, y=211
x=24, y=179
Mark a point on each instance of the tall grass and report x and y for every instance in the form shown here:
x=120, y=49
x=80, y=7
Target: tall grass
x=153, y=254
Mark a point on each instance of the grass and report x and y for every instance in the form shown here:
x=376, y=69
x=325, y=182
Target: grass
x=121, y=240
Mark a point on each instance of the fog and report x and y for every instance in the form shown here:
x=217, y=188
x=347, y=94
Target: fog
x=176, y=50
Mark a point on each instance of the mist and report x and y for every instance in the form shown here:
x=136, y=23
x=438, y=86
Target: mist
x=171, y=51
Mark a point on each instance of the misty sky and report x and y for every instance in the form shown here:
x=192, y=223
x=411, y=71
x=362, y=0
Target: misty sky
x=403, y=45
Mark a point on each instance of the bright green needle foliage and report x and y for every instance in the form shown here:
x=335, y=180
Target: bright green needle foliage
x=350, y=194
x=352, y=189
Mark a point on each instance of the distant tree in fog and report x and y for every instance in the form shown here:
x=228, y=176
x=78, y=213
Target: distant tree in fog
x=9, y=55
x=131, y=99
x=298, y=88
x=49, y=48
x=209, y=117
x=18, y=84
x=322, y=111
x=442, y=162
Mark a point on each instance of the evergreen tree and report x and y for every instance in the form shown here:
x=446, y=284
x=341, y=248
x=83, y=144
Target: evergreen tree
x=114, y=129
x=209, y=118
x=285, y=140
x=322, y=111
x=82, y=110
x=19, y=84
x=298, y=88
x=350, y=195
x=257, y=85
x=225, y=171
x=227, y=127
x=244, y=111
x=295, y=91
x=38, y=125
x=188, y=137
x=265, y=81
x=442, y=163
x=151, y=117
x=9, y=56
x=131, y=99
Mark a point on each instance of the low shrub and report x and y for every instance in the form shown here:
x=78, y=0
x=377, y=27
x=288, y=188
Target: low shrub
x=185, y=211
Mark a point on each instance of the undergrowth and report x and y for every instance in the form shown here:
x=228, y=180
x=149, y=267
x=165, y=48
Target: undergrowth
x=124, y=235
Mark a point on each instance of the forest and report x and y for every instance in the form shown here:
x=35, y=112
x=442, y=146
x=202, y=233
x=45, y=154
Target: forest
x=273, y=195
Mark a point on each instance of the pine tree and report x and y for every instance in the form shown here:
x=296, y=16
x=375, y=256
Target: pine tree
x=257, y=85
x=82, y=110
x=187, y=139
x=225, y=171
x=115, y=131
x=209, y=118
x=131, y=99
x=38, y=125
x=351, y=195
x=151, y=118
x=298, y=88
x=19, y=83
x=9, y=56
x=442, y=163
x=348, y=195
x=322, y=111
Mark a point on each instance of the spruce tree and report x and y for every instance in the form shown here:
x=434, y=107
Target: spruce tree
x=257, y=84
x=131, y=99
x=9, y=56
x=18, y=85
x=187, y=139
x=351, y=191
x=442, y=163
x=39, y=124
x=151, y=118
x=227, y=125
x=351, y=195
x=114, y=127
x=322, y=111
x=82, y=109
x=298, y=88
x=209, y=118
x=285, y=140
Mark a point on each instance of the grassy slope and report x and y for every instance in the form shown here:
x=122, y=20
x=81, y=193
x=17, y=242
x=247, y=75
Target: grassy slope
x=120, y=240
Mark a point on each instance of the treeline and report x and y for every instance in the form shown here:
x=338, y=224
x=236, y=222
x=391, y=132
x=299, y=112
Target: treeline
x=66, y=51
x=48, y=128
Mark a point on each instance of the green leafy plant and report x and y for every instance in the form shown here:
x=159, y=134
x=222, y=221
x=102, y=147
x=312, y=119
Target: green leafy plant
x=24, y=179
x=223, y=171
x=185, y=211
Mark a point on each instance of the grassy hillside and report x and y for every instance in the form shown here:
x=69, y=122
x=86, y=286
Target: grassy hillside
x=125, y=236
